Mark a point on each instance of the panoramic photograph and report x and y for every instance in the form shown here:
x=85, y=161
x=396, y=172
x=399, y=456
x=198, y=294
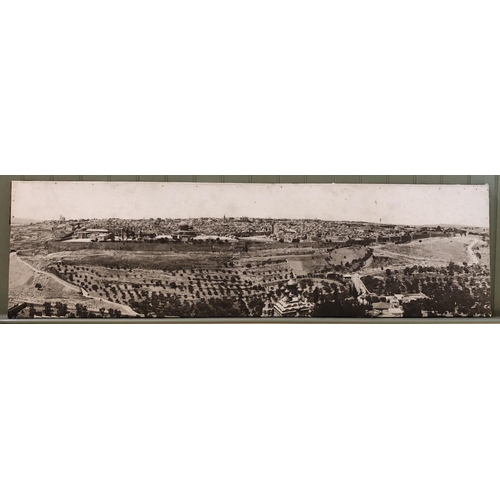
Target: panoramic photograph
x=185, y=250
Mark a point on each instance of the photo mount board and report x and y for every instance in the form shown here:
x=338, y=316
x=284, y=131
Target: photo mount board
x=293, y=292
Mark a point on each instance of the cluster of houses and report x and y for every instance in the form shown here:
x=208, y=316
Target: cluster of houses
x=91, y=234
x=393, y=306
x=336, y=233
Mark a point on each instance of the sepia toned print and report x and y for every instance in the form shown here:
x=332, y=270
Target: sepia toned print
x=184, y=250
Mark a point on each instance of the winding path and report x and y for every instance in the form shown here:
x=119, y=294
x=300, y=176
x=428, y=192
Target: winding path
x=473, y=256
x=124, y=308
x=127, y=309
x=360, y=286
x=50, y=275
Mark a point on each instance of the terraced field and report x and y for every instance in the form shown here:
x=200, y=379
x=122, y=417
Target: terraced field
x=131, y=286
x=432, y=250
x=37, y=286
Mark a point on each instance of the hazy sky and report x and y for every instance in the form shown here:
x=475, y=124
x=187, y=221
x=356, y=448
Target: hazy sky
x=403, y=204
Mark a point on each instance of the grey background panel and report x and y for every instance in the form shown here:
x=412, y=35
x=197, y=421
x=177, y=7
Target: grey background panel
x=292, y=179
x=495, y=225
x=208, y=178
x=96, y=178
x=236, y=178
x=348, y=179
x=430, y=179
x=319, y=179
x=456, y=179
x=152, y=178
x=374, y=179
x=67, y=177
x=4, y=241
x=401, y=179
x=123, y=178
x=491, y=180
x=37, y=177
x=264, y=178
x=180, y=178
x=478, y=179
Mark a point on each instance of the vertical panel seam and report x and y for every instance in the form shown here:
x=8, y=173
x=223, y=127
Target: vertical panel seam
x=494, y=270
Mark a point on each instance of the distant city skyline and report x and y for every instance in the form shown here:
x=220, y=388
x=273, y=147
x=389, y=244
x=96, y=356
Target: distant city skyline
x=412, y=205
x=23, y=221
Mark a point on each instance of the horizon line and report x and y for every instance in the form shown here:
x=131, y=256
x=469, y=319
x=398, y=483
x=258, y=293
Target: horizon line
x=261, y=218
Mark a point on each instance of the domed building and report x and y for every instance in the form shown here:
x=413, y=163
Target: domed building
x=292, y=304
x=185, y=232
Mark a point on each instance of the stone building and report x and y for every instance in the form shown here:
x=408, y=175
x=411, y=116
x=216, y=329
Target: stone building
x=292, y=304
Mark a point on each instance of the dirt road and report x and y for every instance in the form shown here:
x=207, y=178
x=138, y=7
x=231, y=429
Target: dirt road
x=472, y=254
x=358, y=283
x=122, y=307
x=50, y=275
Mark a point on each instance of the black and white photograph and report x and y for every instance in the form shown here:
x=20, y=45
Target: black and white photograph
x=187, y=250
x=247, y=251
